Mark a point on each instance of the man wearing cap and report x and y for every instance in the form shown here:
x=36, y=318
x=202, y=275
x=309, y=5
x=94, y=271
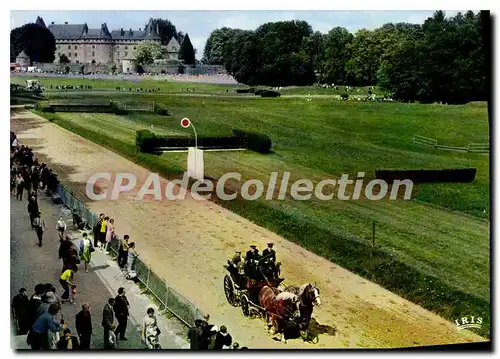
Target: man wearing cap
x=269, y=253
x=251, y=260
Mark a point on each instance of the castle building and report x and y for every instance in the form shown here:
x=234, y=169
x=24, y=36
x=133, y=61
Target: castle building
x=83, y=45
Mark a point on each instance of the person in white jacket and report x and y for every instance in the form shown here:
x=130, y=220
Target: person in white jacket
x=61, y=228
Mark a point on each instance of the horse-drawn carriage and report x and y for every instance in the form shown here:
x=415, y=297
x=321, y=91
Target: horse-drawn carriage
x=259, y=296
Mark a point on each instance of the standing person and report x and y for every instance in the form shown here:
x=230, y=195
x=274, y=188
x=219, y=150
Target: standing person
x=222, y=339
x=209, y=331
x=97, y=230
x=195, y=336
x=83, y=324
x=110, y=233
x=35, y=302
x=61, y=228
x=131, y=257
x=39, y=224
x=66, y=280
x=107, y=321
x=68, y=341
x=19, y=186
x=123, y=252
x=86, y=251
x=121, y=313
x=20, y=311
x=64, y=248
x=150, y=332
x=38, y=338
x=32, y=209
x=102, y=232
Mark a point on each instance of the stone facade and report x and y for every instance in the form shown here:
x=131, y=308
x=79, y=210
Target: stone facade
x=100, y=46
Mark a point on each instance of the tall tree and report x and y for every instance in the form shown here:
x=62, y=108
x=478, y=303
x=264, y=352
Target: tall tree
x=214, y=47
x=241, y=56
x=36, y=41
x=187, y=52
x=336, y=55
x=166, y=30
x=147, y=52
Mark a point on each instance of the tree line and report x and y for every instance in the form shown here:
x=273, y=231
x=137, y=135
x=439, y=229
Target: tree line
x=441, y=60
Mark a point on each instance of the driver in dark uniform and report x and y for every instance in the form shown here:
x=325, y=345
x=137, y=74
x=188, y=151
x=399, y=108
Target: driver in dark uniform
x=251, y=258
x=270, y=260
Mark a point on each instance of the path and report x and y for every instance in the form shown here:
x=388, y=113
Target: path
x=187, y=242
x=31, y=265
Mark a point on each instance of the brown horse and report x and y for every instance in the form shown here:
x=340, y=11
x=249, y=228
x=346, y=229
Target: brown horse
x=281, y=308
x=309, y=297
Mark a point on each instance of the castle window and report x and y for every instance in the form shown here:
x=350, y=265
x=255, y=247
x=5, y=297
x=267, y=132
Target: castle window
x=69, y=54
x=69, y=47
x=126, y=53
x=134, y=47
x=93, y=46
x=125, y=47
x=76, y=47
x=93, y=53
x=76, y=54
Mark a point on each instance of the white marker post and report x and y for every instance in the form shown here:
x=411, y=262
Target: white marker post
x=195, y=164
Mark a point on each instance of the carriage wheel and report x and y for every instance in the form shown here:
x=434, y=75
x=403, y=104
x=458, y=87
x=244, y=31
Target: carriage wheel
x=229, y=291
x=245, y=306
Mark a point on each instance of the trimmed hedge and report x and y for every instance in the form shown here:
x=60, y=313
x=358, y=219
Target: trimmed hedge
x=267, y=93
x=249, y=90
x=148, y=142
x=143, y=140
x=254, y=141
x=44, y=107
x=428, y=176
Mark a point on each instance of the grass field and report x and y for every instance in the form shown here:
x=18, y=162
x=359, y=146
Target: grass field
x=434, y=249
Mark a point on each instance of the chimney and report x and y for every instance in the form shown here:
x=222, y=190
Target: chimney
x=140, y=29
x=65, y=23
x=122, y=32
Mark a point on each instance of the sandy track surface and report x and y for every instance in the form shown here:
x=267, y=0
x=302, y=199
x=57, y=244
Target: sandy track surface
x=187, y=242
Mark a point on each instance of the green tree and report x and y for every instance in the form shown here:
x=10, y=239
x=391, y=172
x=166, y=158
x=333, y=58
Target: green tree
x=166, y=30
x=214, y=47
x=241, y=57
x=36, y=41
x=147, y=52
x=187, y=52
x=336, y=54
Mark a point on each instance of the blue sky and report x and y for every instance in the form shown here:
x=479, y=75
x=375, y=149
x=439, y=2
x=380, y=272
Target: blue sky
x=199, y=24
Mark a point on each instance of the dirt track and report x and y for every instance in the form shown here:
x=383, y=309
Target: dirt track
x=188, y=241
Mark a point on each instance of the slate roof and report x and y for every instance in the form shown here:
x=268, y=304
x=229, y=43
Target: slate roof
x=127, y=35
x=81, y=31
x=67, y=32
